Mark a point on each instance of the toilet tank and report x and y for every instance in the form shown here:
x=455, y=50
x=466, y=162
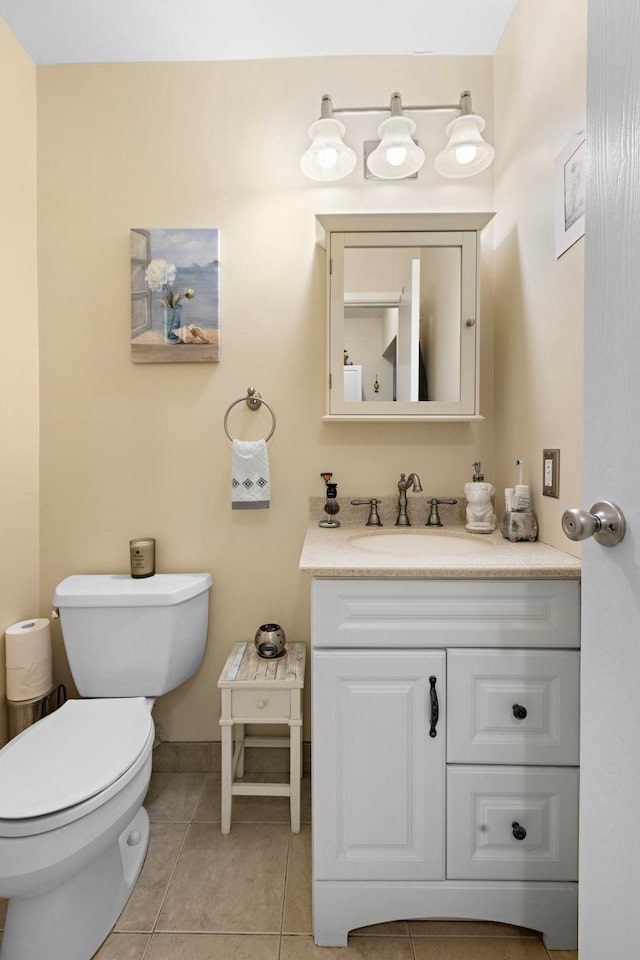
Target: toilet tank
x=133, y=638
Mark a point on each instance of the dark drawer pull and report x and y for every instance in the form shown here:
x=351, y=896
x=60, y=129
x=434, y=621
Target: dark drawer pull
x=519, y=712
x=519, y=833
x=435, y=709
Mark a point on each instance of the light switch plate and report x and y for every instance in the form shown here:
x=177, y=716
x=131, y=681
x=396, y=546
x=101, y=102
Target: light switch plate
x=551, y=473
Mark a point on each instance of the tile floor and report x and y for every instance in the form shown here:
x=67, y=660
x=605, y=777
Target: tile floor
x=247, y=896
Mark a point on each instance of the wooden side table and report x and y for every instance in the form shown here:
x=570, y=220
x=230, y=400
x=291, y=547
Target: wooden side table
x=255, y=690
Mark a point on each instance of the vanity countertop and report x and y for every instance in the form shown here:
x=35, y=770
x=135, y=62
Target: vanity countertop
x=354, y=550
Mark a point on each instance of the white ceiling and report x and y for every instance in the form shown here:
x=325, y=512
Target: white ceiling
x=107, y=31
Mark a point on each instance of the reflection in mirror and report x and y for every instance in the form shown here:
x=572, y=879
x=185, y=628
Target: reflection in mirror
x=402, y=321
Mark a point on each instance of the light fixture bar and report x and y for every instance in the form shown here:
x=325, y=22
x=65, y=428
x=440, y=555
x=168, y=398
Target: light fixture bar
x=397, y=108
x=421, y=108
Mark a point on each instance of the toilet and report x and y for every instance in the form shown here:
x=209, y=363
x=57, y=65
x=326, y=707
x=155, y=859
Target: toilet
x=73, y=831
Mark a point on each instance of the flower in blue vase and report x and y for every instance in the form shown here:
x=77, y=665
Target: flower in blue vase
x=160, y=275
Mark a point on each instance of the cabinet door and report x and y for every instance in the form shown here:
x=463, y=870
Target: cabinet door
x=378, y=765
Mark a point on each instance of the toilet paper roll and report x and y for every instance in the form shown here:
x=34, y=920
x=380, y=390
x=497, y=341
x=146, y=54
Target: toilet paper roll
x=28, y=659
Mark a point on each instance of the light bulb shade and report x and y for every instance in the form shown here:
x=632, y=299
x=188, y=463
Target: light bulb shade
x=328, y=157
x=396, y=156
x=466, y=152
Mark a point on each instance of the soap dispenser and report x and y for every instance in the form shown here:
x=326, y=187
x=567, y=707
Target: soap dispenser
x=479, y=513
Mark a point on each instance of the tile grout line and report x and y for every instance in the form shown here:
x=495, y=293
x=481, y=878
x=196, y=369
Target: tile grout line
x=146, y=949
x=284, y=893
x=171, y=876
x=411, y=943
x=175, y=866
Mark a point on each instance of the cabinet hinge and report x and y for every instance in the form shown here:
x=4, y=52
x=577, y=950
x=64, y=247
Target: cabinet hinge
x=330, y=382
x=330, y=267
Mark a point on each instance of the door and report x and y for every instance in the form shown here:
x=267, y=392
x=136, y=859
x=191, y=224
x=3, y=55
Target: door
x=610, y=735
x=408, y=342
x=378, y=765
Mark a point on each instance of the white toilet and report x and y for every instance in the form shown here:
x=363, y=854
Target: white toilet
x=73, y=832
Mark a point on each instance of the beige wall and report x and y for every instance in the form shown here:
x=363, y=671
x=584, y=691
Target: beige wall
x=19, y=352
x=140, y=450
x=540, y=97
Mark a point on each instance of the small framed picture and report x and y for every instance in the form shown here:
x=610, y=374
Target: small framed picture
x=570, y=194
x=175, y=315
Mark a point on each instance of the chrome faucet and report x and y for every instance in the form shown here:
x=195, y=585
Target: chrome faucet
x=403, y=486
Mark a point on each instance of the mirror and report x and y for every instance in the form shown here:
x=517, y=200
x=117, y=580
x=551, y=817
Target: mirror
x=402, y=323
x=403, y=318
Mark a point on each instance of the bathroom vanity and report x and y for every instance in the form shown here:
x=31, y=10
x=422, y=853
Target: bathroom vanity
x=445, y=731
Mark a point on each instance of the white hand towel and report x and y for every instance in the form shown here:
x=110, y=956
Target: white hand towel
x=250, y=487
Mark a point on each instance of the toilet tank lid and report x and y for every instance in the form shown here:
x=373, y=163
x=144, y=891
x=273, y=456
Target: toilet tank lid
x=121, y=590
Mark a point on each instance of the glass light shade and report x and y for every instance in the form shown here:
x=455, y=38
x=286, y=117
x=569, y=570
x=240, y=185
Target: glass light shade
x=396, y=156
x=328, y=157
x=466, y=152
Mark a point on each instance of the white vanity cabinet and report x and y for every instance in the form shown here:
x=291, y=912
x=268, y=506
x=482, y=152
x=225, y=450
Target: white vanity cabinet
x=445, y=753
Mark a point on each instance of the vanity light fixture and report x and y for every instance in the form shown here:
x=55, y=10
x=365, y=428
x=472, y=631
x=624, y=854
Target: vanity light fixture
x=328, y=157
x=466, y=153
x=397, y=156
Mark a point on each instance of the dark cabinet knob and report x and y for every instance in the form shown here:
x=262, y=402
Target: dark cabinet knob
x=519, y=833
x=519, y=712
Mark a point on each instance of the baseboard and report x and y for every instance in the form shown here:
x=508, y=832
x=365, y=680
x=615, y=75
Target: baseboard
x=204, y=756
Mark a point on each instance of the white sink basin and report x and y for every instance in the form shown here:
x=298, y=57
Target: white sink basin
x=414, y=544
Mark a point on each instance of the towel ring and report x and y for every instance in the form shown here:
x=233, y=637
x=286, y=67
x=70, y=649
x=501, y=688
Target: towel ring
x=254, y=401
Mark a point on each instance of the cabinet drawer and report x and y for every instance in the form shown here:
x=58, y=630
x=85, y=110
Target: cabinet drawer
x=259, y=704
x=513, y=706
x=512, y=823
x=445, y=613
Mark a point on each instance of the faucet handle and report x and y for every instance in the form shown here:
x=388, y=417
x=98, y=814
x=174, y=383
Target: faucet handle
x=374, y=518
x=434, y=517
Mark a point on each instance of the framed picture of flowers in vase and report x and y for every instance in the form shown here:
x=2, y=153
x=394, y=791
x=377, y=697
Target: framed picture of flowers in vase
x=175, y=315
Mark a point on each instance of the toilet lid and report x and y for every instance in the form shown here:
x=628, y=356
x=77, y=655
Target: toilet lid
x=71, y=755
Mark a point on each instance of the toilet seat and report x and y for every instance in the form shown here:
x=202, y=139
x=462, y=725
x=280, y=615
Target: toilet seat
x=72, y=755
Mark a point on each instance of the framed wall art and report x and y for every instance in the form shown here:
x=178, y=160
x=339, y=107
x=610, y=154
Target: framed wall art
x=175, y=307
x=570, y=194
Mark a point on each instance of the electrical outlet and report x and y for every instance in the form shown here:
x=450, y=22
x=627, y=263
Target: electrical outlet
x=551, y=473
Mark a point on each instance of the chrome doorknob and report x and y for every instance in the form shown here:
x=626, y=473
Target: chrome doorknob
x=605, y=523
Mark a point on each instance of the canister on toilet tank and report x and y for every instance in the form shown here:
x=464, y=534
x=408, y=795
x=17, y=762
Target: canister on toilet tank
x=143, y=558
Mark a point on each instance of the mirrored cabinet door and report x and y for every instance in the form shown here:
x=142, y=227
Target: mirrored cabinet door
x=403, y=331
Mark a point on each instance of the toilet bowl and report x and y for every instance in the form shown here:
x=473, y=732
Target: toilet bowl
x=72, y=829
x=73, y=832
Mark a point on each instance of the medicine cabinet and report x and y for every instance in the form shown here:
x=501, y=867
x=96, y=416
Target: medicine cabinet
x=403, y=315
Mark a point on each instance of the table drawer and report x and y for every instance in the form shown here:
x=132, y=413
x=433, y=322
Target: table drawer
x=513, y=706
x=260, y=704
x=512, y=823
